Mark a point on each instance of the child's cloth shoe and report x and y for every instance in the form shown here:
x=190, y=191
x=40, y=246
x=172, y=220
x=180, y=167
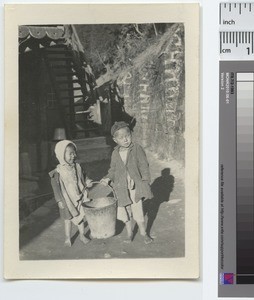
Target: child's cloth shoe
x=147, y=239
x=84, y=240
x=128, y=240
x=67, y=243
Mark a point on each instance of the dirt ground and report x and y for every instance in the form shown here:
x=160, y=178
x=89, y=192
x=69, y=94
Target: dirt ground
x=42, y=233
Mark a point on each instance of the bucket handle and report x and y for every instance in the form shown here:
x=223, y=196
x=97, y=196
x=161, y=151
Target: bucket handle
x=98, y=182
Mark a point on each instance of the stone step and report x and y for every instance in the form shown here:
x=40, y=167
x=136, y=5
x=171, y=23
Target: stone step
x=87, y=142
x=29, y=204
x=92, y=149
x=94, y=153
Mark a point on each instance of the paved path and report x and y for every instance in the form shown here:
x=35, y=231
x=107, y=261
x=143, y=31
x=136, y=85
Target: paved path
x=42, y=233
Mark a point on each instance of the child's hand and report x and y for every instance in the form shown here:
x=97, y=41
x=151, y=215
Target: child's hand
x=105, y=181
x=89, y=183
x=85, y=197
x=60, y=205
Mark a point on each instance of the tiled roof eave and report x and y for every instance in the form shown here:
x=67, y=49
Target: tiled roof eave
x=40, y=32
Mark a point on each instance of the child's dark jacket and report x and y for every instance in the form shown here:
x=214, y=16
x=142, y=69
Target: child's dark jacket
x=138, y=168
x=55, y=183
x=70, y=210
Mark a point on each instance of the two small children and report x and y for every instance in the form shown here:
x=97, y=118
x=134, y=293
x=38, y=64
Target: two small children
x=128, y=174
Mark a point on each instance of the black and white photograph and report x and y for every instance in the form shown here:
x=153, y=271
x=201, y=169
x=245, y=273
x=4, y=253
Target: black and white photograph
x=107, y=141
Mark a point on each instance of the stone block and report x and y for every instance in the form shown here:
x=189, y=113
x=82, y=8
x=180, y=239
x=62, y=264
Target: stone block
x=178, y=55
x=169, y=73
x=172, y=83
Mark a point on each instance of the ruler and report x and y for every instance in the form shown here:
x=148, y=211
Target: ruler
x=236, y=150
x=236, y=30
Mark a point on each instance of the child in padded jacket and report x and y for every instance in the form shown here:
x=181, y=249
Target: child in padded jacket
x=130, y=176
x=69, y=186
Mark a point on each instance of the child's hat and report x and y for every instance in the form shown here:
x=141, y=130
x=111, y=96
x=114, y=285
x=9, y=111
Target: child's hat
x=60, y=150
x=117, y=126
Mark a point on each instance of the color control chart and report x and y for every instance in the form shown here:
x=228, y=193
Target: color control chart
x=236, y=151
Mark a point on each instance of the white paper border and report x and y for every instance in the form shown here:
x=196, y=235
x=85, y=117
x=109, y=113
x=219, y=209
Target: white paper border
x=187, y=267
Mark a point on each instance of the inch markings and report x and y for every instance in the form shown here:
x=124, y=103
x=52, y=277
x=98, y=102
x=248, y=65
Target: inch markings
x=236, y=14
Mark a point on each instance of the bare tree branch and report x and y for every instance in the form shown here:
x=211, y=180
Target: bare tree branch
x=100, y=58
x=155, y=30
x=137, y=29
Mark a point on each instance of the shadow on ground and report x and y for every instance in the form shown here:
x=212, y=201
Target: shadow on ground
x=35, y=224
x=161, y=187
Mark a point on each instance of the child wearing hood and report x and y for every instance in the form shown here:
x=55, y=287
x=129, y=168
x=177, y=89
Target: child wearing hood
x=69, y=186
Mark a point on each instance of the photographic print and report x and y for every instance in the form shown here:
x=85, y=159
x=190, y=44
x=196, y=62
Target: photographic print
x=104, y=137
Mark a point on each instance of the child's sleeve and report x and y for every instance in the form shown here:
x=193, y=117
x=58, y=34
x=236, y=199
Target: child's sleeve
x=54, y=178
x=143, y=164
x=112, y=168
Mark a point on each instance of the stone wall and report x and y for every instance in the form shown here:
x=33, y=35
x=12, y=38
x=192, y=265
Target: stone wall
x=154, y=93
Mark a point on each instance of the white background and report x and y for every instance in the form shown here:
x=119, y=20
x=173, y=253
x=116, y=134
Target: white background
x=204, y=288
